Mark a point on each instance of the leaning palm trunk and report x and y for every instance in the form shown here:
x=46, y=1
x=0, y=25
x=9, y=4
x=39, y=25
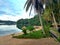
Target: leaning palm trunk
x=40, y=19
x=40, y=11
x=55, y=23
x=38, y=6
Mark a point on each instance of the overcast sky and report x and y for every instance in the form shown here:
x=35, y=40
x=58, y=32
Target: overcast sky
x=13, y=10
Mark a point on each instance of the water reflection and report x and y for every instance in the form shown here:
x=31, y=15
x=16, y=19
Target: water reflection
x=8, y=29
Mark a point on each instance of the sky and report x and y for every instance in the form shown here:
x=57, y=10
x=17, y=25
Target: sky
x=13, y=10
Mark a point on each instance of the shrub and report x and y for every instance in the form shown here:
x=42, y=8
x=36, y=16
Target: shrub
x=30, y=28
x=33, y=35
x=46, y=29
x=24, y=30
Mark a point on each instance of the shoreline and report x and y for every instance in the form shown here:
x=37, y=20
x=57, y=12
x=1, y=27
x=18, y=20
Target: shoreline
x=8, y=40
x=18, y=33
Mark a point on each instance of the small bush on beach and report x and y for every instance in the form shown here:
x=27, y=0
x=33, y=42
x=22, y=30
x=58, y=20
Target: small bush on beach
x=24, y=30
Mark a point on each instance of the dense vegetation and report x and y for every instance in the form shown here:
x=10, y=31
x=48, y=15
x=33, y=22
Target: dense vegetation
x=51, y=15
x=33, y=35
x=28, y=22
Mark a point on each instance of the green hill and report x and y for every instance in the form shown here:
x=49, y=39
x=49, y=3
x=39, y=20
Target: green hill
x=27, y=22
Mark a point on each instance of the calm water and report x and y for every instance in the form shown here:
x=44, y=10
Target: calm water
x=8, y=29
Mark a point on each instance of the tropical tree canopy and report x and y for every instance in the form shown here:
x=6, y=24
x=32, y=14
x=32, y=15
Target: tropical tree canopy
x=38, y=5
x=52, y=5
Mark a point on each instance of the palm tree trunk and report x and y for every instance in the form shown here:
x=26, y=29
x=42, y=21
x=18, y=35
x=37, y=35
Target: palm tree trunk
x=55, y=23
x=40, y=19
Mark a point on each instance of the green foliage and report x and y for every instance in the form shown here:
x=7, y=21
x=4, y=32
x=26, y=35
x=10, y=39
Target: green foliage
x=30, y=28
x=28, y=22
x=33, y=35
x=46, y=26
x=24, y=30
x=58, y=39
x=46, y=29
x=54, y=6
x=22, y=22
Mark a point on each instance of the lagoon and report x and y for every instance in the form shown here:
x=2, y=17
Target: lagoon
x=8, y=29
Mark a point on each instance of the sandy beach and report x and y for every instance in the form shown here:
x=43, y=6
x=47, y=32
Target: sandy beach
x=8, y=40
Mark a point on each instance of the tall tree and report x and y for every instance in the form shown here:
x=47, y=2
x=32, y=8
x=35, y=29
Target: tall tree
x=54, y=6
x=38, y=6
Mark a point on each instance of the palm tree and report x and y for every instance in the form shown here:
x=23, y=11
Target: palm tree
x=51, y=5
x=38, y=6
x=54, y=9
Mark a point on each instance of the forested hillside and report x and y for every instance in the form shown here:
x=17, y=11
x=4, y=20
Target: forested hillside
x=28, y=22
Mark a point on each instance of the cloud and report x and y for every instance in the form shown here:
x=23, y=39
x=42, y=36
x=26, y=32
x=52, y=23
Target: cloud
x=13, y=10
x=11, y=6
x=24, y=15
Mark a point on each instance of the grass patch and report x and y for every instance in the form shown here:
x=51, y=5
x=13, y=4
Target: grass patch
x=32, y=35
x=58, y=39
x=47, y=31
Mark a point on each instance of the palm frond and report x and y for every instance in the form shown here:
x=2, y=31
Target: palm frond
x=28, y=5
x=39, y=6
x=36, y=4
x=30, y=10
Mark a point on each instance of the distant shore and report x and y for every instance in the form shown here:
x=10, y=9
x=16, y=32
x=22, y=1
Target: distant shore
x=2, y=22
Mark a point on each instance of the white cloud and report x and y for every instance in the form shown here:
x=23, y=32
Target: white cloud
x=24, y=15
